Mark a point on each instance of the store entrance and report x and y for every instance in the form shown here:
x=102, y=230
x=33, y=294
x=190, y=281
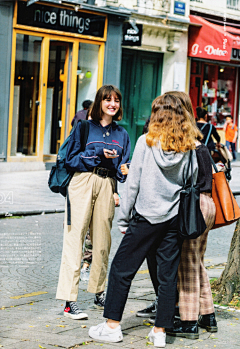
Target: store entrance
x=58, y=67
x=29, y=99
x=140, y=83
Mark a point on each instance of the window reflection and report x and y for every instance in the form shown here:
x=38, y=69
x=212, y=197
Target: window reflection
x=87, y=73
x=26, y=95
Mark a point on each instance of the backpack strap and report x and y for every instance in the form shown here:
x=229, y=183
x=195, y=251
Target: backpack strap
x=84, y=132
x=203, y=126
x=68, y=208
x=209, y=134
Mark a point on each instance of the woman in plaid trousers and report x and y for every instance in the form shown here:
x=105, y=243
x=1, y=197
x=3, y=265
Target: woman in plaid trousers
x=195, y=296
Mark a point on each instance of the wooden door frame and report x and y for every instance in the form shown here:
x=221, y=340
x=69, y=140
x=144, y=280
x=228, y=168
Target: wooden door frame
x=48, y=35
x=43, y=78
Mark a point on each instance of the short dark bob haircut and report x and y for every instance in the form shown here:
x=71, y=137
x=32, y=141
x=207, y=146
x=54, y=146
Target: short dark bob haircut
x=103, y=93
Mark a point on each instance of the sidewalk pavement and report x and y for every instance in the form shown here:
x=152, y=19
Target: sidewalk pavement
x=30, y=316
x=24, y=193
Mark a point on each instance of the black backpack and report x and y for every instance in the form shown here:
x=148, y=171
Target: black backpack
x=60, y=177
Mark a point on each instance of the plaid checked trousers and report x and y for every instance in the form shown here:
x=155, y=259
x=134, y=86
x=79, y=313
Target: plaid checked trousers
x=195, y=296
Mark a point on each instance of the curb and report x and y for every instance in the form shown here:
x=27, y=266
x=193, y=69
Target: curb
x=30, y=213
x=42, y=212
x=223, y=307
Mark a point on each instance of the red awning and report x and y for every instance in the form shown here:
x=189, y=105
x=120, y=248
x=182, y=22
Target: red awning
x=236, y=35
x=212, y=41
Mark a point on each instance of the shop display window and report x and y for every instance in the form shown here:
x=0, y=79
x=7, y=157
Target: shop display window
x=212, y=87
x=218, y=92
x=26, y=95
x=87, y=73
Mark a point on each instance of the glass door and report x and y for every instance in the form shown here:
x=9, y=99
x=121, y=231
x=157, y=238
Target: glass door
x=56, y=96
x=26, y=95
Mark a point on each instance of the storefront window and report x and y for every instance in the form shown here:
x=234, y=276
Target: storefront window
x=26, y=95
x=218, y=91
x=87, y=73
x=57, y=81
x=213, y=88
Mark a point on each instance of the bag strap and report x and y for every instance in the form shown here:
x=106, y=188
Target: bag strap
x=84, y=132
x=203, y=126
x=68, y=208
x=190, y=163
x=209, y=134
x=223, y=160
x=191, y=159
x=214, y=165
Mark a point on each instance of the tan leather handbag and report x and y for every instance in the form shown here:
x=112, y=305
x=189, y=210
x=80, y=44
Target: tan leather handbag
x=227, y=209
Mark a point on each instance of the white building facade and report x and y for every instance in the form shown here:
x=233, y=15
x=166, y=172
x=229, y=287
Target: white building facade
x=154, y=55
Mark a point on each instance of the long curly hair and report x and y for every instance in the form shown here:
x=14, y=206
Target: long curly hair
x=186, y=101
x=172, y=124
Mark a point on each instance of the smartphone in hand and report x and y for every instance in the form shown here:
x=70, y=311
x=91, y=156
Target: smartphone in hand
x=111, y=153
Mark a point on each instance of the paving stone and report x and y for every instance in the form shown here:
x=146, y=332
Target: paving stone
x=42, y=337
x=45, y=313
x=8, y=341
x=29, y=345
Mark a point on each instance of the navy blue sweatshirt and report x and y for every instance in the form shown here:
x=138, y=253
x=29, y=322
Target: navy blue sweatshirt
x=93, y=154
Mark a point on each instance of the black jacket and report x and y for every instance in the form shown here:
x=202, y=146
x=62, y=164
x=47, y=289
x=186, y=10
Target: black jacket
x=205, y=128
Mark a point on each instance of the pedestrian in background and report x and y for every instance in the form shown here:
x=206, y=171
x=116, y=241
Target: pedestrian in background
x=91, y=197
x=83, y=113
x=208, y=130
x=230, y=135
x=149, y=215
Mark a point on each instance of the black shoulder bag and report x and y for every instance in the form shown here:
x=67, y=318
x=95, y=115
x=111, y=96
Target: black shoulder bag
x=191, y=223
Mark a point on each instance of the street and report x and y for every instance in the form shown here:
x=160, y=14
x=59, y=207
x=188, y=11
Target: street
x=32, y=318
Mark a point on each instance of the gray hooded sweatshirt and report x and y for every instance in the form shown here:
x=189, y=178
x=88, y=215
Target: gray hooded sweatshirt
x=154, y=182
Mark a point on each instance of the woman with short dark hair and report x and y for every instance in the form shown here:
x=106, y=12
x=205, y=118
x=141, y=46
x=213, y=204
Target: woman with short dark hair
x=91, y=197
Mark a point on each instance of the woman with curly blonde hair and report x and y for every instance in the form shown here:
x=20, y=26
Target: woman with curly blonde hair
x=149, y=215
x=195, y=297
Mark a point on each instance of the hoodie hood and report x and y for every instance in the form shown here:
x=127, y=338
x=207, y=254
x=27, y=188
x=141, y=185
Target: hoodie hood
x=154, y=183
x=167, y=160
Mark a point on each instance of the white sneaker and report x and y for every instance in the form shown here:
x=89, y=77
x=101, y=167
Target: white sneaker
x=158, y=339
x=104, y=333
x=85, y=272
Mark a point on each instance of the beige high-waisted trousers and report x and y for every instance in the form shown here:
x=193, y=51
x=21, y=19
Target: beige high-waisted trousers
x=92, y=204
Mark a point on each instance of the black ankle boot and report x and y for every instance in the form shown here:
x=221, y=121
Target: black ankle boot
x=208, y=322
x=187, y=329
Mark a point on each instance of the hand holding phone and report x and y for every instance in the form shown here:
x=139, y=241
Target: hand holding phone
x=110, y=153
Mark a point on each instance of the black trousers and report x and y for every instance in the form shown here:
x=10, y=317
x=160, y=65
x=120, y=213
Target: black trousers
x=139, y=239
x=152, y=268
